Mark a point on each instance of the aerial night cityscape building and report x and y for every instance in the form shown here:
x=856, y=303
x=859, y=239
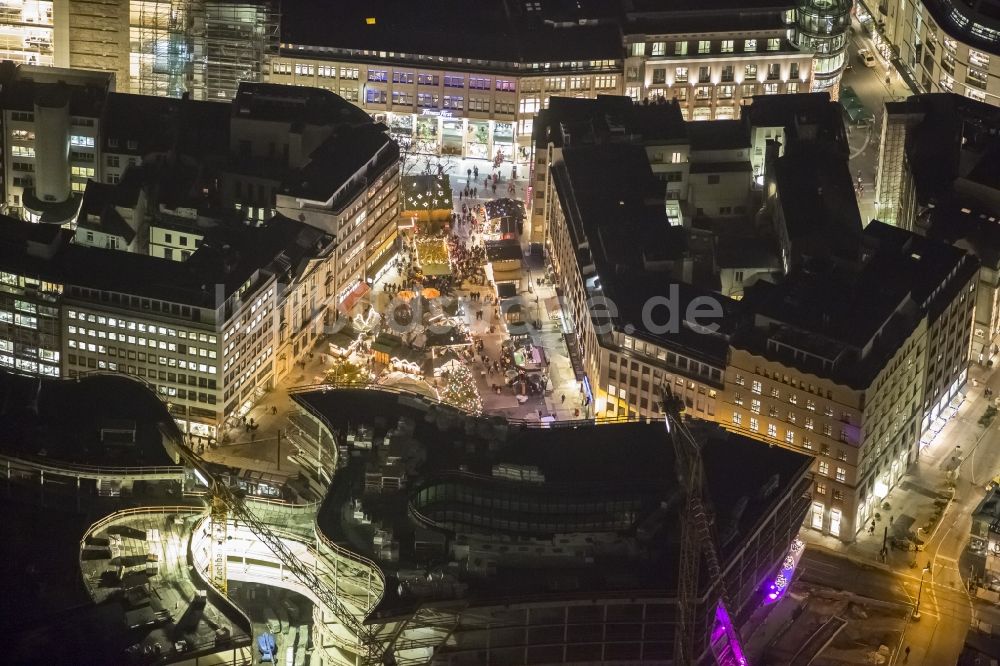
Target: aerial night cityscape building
x=499, y=333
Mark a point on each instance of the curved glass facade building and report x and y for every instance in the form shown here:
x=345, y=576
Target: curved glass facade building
x=821, y=26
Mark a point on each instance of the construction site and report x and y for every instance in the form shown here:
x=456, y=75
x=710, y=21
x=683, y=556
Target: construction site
x=200, y=48
x=442, y=538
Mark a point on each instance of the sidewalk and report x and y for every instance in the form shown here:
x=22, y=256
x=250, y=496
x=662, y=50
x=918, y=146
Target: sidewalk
x=767, y=623
x=927, y=484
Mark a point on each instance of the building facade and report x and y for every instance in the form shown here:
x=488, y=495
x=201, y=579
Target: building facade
x=942, y=46
x=935, y=178
x=177, y=270
x=860, y=406
x=713, y=60
x=204, y=333
x=199, y=48
x=51, y=120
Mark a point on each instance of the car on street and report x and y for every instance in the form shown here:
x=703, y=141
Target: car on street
x=867, y=57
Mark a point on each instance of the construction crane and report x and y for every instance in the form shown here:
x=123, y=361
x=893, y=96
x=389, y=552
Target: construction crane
x=227, y=503
x=698, y=542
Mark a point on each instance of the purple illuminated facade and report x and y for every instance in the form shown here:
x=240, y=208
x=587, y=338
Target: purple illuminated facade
x=726, y=640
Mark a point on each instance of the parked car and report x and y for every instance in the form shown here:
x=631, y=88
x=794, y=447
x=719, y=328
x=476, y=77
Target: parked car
x=867, y=57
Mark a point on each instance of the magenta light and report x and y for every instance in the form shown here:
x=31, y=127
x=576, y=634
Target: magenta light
x=776, y=588
x=725, y=640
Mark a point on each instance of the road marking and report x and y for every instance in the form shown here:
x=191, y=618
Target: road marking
x=953, y=560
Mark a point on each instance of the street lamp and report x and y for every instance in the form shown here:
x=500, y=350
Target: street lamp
x=916, y=609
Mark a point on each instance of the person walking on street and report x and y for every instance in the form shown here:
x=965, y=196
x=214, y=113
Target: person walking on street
x=906, y=654
x=562, y=399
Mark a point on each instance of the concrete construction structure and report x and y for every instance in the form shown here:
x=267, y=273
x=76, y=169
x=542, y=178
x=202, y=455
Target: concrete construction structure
x=516, y=583
x=436, y=537
x=185, y=244
x=101, y=444
x=863, y=397
x=937, y=176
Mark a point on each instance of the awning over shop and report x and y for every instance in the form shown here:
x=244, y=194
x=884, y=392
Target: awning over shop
x=352, y=298
x=575, y=357
x=381, y=260
x=509, y=275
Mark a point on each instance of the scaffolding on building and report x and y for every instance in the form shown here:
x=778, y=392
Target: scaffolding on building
x=238, y=37
x=200, y=48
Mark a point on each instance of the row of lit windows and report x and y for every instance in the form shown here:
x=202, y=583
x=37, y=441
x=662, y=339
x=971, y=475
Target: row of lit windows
x=14, y=280
x=171, y=391
x=141, y=327
x=248, y=375
x=772, y=432
x=143, y=342
x=33, y=352
x=27, y=365
x=702, y=47
x=757, y=387
x=168, y=361
x=18, y=319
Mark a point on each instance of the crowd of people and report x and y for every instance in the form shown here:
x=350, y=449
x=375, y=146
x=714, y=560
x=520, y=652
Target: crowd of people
x=467, y=260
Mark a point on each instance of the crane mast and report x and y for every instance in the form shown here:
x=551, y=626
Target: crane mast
x=226, y=503
x=697, y=539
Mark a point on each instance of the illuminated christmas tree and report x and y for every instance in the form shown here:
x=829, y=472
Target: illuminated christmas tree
x=346, y=373
x=460, y=390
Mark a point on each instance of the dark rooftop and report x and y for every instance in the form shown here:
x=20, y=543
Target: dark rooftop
x=143, y=124
x=718, y=135
x=59, y=421
x=339, y=158
x=99, y=200
x=804, y=116
x=954, y=156
x=297, y=105
x=855, y=317
x=739, y=251
x=631, y=463
x=85, y=91
x=229, y=257
x=818, y=202
x=503, y=250
x=618, y=210
x=607, y=118
x=502, y=31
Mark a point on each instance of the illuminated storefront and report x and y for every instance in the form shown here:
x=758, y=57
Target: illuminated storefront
x=433, y=132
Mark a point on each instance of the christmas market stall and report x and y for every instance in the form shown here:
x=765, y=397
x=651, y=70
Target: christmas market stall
x=427, y=199
x=343, y=340
x=506, y=265
x=504, y=218
x=432, y=256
